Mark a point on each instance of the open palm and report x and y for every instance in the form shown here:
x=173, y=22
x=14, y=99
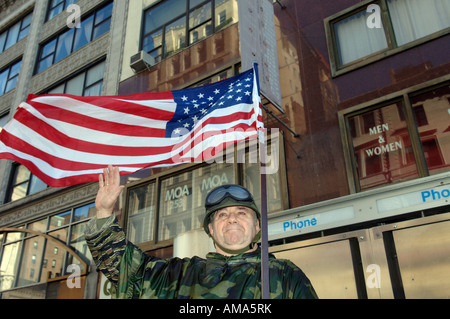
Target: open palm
x=108, y=191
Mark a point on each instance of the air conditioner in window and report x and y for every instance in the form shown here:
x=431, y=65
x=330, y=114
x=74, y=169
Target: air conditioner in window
x=141, y=61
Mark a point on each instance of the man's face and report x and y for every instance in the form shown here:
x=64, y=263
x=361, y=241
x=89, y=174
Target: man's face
x=234, y=227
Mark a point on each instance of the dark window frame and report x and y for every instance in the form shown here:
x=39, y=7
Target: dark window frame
x=10, y=78
x=23, y=28
x=392, y=47
x=60, y=6
x=50, y=52
x=159, y=51
x=27, y=183
x=403, y=97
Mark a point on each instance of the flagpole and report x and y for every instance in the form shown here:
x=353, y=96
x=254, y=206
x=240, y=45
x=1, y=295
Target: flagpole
x=265, y=283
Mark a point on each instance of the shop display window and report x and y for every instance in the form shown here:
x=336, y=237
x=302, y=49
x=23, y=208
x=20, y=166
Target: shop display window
x=182, y=198
x=172, y=203
x=382, y=147
x=26, y=258
x=432, y=115
x=406, y=138
x=141, y=212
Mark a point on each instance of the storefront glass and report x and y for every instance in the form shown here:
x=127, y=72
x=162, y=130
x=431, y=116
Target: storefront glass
x=9, y=265
x=79, y=245
x=31, y=261
x=28, y=258
x=432, y=115
x=382, y=146
x=182, y=198
x=55, y=255
x=141, y=212
x=84, y=212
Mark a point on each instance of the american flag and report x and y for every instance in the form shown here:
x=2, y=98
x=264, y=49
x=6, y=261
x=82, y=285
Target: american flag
x=66, y=140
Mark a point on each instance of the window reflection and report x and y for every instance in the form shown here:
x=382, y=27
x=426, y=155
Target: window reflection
x=39, y=226
x=79, y=245
x=23, y=183
x=102, y=21
x=432, y=114
x=171, y=25
x=181, y=203
x=355, y=40
x=32, y=259
x=82, y=37
x=64, y=46
x=87, y=83
x=141, y=211
x=175, y=205
x=9, y=77
x=15, y=33
x=73, y=39
x=182, y=194
x=414, y=19
x=382, y=147
x=84, y=212
x=9, y=265
x=200, y=23
x=60, y=220
x=175, y=37
x=57, y=6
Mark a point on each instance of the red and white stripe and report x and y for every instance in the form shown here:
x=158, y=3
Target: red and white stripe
x=66, y=140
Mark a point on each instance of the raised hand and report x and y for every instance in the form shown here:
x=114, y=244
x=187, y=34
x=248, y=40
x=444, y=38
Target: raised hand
x=108, y=191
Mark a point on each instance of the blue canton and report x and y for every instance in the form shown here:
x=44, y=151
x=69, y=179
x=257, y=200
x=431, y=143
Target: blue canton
x=194, y=104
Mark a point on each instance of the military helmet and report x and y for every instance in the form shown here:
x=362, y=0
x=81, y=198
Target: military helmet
x=225, y=196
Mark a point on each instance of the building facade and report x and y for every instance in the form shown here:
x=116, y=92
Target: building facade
x=356, y=101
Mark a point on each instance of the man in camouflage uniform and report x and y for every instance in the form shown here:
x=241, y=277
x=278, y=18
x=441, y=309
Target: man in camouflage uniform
x=233, y=271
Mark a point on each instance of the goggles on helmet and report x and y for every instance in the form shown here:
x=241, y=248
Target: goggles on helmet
x=228, y=195
x=218, y=194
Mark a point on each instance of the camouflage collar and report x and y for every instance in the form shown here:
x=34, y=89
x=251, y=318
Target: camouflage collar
x=253, y=256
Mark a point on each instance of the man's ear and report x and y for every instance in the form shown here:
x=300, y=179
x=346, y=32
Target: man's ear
x=210, y=229
x=258, y=225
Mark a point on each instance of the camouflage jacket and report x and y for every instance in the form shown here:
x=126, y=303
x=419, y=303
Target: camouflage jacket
x=138, y=275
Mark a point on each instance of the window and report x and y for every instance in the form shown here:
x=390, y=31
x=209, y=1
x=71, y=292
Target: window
x=171, y=25
x=73, y=39
x=364, y=34
x=388, y=146
x=9, y=77
x=23, y=183
x=227, y=73
x=415, y=19
x=141, y=212
x=55, y=7
x=200, y=23
x=432, y=114
x=3, y=120
x=381, y=146
x=24, y=257
x=181, y=202
x=87, y=83
x=15, y=33
x=354, y=40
